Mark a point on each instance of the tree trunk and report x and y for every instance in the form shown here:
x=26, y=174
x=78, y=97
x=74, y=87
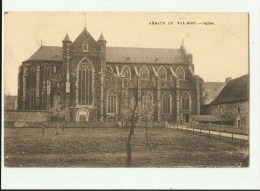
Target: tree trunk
x=63, y=127
x=146, y=134
x=129, y=155
x=128, y=145
x=43, y=132
x=57, y=130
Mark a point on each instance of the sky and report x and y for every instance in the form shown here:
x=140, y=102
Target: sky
x=219, y=50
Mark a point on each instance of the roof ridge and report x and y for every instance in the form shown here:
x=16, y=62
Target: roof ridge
x=51, y=46
x=232, y=91
x=240, y=77
x=143, y=47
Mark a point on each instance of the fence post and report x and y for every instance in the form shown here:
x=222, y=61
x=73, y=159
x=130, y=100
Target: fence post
x=209, y=133
x=57, y=129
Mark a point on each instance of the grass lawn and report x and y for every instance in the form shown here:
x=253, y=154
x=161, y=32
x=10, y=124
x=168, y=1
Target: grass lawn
x=106, y=147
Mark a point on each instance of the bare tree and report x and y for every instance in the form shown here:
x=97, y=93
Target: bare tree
x=137, y=104
x=148, y=118
x=58, y=113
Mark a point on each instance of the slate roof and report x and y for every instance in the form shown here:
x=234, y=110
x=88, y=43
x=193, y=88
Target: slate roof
x=235, y=90
x=101, y=38
x=144, y=55
x=83, y=36
x=213, y=85
x=208, y=118
x=47, y=53
x=213, y=89
x=67, y=38
x=118, y=55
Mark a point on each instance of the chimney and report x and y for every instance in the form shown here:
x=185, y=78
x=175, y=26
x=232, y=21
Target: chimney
x=228, y=79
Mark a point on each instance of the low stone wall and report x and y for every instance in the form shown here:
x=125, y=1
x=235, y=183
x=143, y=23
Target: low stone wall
x=96, y=124
x=25, y=116
x=38, y=119
x=13, y=118
x=153, y=124
x=11, y=124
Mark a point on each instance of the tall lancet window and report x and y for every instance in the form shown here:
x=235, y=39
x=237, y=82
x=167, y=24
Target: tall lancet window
x=111, y=102
x=147, y=102
x=185, y=101
x=162, y=73
x=126, y=72
x=144, y=72
x=32, y=93
x=181, y=73
x=166, y=103
x=85, y=89
x=85, y=46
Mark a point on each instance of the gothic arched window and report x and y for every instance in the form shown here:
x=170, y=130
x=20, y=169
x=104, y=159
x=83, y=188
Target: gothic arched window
x=126, y=72
x=162, y=73
x=85, y=46
x=32, y=91
x=181, y=73
x=110, y=68
x=111, y=102
x=147, y=101
x=33, y=77
x=185, y=101
x=144, y=72
x=85, y=89
x=166, y=103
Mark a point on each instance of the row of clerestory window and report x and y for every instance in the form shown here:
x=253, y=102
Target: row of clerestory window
x=144, y=72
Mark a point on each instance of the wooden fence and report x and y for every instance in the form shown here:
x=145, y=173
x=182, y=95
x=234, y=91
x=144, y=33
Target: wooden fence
x=221, y=128
x=212, y=129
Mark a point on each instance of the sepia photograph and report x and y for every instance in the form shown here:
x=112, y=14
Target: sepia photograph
x=126, y=89
x=130, y=94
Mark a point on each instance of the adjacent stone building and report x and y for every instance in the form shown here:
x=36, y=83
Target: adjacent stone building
x=231, y=106
x=85, y=76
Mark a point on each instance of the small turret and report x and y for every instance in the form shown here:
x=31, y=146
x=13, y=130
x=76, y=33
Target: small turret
x=66, y=64
x=102, y=43
x=66, y=42
x=187, y=55
x=67, y=38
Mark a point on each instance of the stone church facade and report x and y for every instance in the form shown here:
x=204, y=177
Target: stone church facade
x=87, y=77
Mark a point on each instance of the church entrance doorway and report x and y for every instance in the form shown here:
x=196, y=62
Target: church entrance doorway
x=82, y=115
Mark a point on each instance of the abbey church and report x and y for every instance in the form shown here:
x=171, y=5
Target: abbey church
x=87, y=77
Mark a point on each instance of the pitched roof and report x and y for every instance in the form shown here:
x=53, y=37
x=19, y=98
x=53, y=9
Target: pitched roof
x=47, y=53
x=213, y=89
x=213, y=85
x=235, y=90
x=144, y=55
x=83, y=36
x=118, y=55
x=101, y=38
x=67, y=38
